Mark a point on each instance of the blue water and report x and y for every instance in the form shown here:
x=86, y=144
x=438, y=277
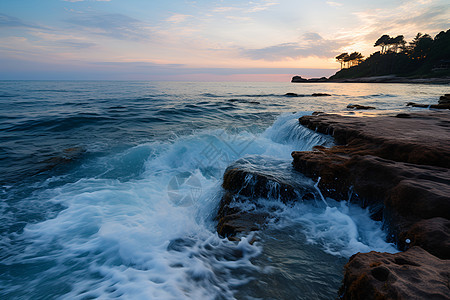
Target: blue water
x=109, y=189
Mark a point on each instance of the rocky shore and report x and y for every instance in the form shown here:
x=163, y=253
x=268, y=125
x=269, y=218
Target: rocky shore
x=374, y=79
x=399, y=167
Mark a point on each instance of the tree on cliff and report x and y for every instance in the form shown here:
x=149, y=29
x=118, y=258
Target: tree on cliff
x=421, y=46
x=422, y=57
x=355, y=58
x=383, y=41
x=342, y=58
x=398, y=43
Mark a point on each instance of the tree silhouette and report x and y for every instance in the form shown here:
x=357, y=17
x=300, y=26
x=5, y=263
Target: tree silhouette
x=397, y=43
x=355, y=58
x=383, y=41
x=342, y=58
x=422, y=46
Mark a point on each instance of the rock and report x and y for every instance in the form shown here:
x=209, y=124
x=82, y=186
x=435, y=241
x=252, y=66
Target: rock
x=433, y=235
x=292, y=95
x=251, y=178
x=414, y=274
x=321, y=79
x=403, y=177
x=357, y=106
x=444, y=99
x=298, y=79
x=67, y=156
x=399, y=167
x=443, y=105
x=402, y=115
x=313, y=95
x=320, y=95
x=420, y=139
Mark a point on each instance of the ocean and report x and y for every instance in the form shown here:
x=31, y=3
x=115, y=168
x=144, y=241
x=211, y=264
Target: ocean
x=109, y=189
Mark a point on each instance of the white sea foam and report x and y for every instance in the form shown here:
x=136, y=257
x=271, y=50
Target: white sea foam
x=153, y=236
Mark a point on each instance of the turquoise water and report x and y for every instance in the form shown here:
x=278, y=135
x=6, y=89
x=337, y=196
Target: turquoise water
x=109, y=189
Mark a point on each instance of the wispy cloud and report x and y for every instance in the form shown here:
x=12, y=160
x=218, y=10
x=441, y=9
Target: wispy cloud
x=178, y=18
x=312, y=44
x=116, y=26
x=332, y=3
x=10, y=21
x=256, y=7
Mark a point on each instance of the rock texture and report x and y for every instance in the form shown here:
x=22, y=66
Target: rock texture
x=247, y=180
x=414, y=274
x=399, y=167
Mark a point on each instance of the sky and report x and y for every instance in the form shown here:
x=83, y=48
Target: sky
x=186, y=40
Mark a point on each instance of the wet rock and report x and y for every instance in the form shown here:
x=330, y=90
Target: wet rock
x=67, y=156
x=292, y=95
x=414, y=274
x=420, y=139
x=357, y=106
x=443, y=105
x=444, y=99
x=400, y=168
x=433, y=235
x=402, y=115
x=320, y=95
x=249, y=179
x=402, y=176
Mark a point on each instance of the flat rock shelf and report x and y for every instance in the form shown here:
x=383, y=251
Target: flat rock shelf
x=398, y=167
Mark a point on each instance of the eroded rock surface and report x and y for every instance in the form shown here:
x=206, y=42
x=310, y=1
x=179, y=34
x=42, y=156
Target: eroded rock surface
x=413, y=274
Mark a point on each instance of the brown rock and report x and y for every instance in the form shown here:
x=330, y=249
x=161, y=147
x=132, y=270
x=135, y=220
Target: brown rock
x=402, y=176
x=357, y=106
x=431, y=234
x=414, y=274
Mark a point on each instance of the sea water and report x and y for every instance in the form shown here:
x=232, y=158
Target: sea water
x=110, y=189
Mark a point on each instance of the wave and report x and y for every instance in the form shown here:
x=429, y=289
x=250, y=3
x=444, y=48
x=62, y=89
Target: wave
x=139, y=223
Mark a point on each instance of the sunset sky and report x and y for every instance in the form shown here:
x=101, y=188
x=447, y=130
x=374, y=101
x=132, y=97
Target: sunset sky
x=230, y=40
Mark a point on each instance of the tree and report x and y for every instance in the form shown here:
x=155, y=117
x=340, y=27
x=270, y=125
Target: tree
x=355, y=58
x=342, y=58
x=398, y=42
x=383, y=41
x=422, y=46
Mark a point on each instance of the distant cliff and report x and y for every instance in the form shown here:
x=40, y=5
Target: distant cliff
x=424, y=57
x=423, y=60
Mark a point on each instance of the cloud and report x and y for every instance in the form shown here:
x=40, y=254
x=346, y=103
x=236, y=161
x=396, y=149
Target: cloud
x=10, y=21
x=74, y=44
x=312, y=44
x=332, y=3
x=406, y=19
x=117, y=26
x=178, y=18
x=86, y=0
x=261, y=6
x=225, y=9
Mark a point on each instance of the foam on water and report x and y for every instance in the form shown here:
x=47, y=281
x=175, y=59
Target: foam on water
x=152, y=235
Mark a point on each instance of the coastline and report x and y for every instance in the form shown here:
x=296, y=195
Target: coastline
x=374, y=79
x=398, y=167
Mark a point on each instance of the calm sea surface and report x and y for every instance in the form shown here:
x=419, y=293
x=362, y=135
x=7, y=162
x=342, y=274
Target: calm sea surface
x=108, y=189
